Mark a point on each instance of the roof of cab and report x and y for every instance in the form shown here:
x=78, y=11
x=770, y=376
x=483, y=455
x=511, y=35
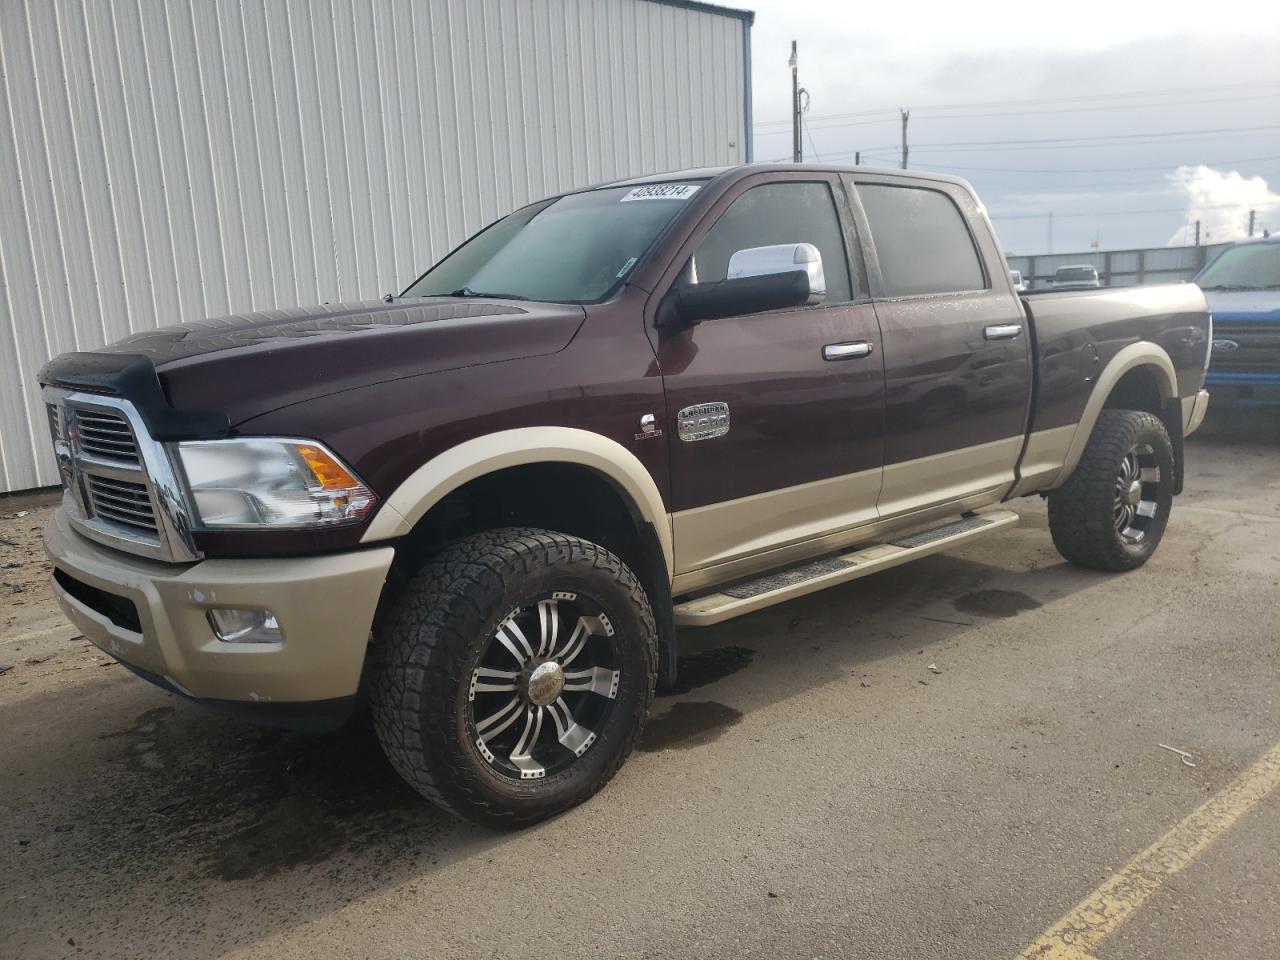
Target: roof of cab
x=746, y=169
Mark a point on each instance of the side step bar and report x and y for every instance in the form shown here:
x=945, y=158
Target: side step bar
x=751, y=595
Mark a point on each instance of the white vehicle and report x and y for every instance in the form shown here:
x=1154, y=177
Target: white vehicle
x=1075, y=276
x=1019, y=285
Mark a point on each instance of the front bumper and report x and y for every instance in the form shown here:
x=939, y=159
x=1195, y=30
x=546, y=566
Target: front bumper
x=1245, y=389
x=153, y=617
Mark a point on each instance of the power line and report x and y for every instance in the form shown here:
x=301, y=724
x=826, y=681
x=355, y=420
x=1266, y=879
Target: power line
x=1171, y=91
x=1127, y=95
x=1131, y=213
x=888, y=118
x=1119, y=106
x=1060, y=141
x=812, y=146
x=1154, y=187
x=1073, y=170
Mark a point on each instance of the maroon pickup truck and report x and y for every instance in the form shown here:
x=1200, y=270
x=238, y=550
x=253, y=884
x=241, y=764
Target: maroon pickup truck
x=488, y=504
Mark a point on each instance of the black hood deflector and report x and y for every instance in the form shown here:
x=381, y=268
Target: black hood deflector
x=134, y=378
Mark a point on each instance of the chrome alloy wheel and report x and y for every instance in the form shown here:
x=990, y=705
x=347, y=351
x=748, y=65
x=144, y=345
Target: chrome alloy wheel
x=544, y=686
x=1137, y=494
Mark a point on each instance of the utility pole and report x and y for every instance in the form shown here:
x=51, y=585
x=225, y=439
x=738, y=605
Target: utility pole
x=1197, y=233
x=797, y=148
x=905, y=115
x=1252, y=216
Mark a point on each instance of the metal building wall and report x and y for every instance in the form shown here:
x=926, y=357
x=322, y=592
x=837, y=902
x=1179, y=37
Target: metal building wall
x=167, y=160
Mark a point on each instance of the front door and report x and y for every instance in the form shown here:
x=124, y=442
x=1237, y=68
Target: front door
x=956, y=348
x=776, y=431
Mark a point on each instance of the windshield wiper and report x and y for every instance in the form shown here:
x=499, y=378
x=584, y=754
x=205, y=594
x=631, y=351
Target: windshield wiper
x=468, y=292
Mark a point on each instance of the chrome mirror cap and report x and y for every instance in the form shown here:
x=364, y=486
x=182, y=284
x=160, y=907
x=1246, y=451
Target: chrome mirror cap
x=781, y=258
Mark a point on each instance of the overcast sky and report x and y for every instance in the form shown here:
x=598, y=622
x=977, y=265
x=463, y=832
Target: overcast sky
x=1215, y=65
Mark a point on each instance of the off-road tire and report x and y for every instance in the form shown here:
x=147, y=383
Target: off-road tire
x=1082, y=511
x=432, y=635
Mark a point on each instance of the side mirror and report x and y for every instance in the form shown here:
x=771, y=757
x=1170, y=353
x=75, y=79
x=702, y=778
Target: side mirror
x=758, y=279
x=693, y=303
x=781, y=258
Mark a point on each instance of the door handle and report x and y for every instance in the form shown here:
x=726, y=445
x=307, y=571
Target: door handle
x=846, y=351
x=1002, y=331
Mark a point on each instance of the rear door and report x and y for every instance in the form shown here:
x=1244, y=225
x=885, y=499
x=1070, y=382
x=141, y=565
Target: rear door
x=955, y=342
x=799, y=449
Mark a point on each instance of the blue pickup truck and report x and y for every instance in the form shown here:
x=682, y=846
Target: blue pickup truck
x=1242, y=287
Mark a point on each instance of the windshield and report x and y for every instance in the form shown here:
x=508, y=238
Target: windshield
x=1076, y=273
x=574, y=249
x=1250, y=266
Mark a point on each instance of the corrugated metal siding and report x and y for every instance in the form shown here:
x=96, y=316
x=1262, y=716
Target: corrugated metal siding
x=167, y=160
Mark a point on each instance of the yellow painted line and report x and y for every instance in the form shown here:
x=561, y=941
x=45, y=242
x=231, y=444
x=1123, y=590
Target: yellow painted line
x=1082, y=931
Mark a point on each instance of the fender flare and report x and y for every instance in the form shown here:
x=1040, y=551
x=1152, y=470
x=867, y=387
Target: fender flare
x=1144, y=353
x=474, y=458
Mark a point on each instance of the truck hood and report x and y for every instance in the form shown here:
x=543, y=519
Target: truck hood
x=1244, y=305
x=251, y=363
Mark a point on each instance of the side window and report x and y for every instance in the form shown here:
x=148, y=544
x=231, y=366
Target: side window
x=921, y=239
x=776, y=213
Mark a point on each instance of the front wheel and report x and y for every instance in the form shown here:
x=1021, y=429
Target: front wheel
x=1112, y=512
x=513, y=674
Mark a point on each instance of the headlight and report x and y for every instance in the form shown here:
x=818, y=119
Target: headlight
x=265, y=482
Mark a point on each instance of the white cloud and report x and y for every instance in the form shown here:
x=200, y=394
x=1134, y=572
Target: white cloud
x=1221, y=202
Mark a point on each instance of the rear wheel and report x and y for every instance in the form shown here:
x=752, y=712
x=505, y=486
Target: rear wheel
x=1112, y=512
x=513, y=674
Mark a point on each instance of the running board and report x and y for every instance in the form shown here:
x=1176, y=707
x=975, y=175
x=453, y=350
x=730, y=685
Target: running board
x=751, y=595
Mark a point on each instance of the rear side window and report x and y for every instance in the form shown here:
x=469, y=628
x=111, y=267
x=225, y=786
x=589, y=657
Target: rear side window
x=921, y=240
x=776, y=213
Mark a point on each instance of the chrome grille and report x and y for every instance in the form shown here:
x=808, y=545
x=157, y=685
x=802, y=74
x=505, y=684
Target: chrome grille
x=120, y=486
x=105, y=435
x=123, y=502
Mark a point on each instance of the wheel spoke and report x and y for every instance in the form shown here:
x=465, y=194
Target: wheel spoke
x=512, y=637
x=1122, y=517
x=577, y=640
x=571, y=734
x=495, y=723
x=548, y=625
x=488, y=680
x=521, y=756
x=593, y=680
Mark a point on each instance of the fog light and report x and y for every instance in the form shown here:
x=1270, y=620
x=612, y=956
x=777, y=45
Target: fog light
x=245, y=626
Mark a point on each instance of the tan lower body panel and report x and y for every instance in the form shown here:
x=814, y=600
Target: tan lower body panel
x=727, y=541
x=915, y=484
x=722, y=532
x=324, y=606
x=1046, y=453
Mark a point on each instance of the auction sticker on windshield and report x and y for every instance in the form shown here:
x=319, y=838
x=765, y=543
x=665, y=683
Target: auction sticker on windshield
x=662, y=191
